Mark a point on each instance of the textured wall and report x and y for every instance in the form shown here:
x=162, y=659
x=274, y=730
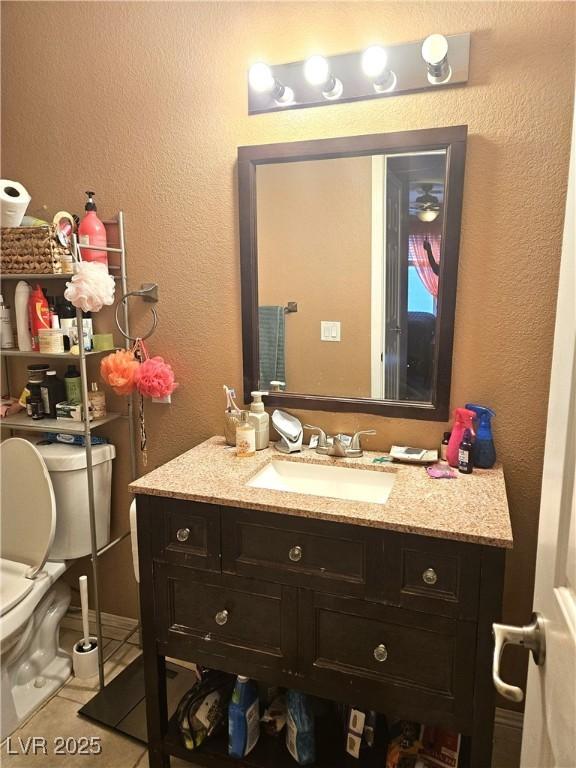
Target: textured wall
x=146, y=103
x=314, y=247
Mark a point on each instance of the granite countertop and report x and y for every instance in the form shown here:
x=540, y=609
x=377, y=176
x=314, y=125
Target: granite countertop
x=471, y=508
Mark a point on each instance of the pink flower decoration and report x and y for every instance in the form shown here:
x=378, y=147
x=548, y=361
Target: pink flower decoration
x=155, y=378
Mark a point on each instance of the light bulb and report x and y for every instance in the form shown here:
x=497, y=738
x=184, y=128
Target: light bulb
x=428, y=215
x=261, y=78
x=374, y=61
x=435, y=54
x=375, y=66
x=317, y=70
x=434, y=49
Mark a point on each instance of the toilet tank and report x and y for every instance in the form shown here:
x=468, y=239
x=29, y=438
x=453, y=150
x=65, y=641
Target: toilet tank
x=67, y=467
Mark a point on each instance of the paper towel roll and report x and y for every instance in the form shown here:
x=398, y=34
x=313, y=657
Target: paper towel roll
x=14, y=200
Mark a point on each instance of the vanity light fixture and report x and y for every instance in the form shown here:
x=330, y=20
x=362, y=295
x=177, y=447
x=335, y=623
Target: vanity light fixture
x=375, y=66
x=435, y=54
x=262, y=80
x=317, y=72
x=377, y=72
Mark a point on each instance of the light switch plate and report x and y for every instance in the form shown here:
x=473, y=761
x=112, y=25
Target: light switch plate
x=329, y=330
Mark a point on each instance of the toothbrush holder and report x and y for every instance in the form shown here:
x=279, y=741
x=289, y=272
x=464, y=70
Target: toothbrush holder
x=231, y=421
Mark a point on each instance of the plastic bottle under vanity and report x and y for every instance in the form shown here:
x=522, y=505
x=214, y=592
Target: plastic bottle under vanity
x=6, y=333
x=260, y=420
x=243, y=718
x=245, y=437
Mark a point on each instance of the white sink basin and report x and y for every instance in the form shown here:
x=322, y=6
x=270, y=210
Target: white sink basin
x=334, y=482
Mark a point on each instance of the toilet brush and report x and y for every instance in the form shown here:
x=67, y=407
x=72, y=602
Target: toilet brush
x=85, y=652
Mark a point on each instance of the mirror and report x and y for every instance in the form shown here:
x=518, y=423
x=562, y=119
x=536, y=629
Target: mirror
x=349, y=270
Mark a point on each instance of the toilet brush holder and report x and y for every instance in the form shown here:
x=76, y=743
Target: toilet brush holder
x=85, y=659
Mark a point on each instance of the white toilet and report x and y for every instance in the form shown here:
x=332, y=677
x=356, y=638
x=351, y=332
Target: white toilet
x=44, y=523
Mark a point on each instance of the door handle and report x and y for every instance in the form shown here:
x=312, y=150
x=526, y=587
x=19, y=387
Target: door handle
x=530, y=636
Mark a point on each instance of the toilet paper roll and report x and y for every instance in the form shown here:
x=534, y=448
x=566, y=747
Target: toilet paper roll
x=14, y=200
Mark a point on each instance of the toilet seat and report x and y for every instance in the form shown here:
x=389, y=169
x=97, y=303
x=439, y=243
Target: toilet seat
x=28, y=520
x=14, y=586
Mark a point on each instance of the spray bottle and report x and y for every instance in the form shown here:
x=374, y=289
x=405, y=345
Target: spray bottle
x=463, y=420
x=484, y=452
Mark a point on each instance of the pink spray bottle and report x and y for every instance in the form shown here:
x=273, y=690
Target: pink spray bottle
x=91, y=231
x=463, y=420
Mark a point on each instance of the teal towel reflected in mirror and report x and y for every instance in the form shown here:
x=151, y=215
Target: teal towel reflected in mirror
x=271, y=332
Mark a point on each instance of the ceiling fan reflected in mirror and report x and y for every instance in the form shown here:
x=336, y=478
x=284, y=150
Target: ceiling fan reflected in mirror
x=427, y=205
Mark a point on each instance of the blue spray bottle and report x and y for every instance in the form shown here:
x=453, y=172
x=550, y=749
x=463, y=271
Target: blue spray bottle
x=484, y=452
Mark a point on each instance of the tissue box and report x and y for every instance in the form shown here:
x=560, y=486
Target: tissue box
x=71, y=412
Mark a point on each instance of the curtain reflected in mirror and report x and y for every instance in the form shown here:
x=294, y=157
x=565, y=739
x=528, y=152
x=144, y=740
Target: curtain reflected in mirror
x=356, y=243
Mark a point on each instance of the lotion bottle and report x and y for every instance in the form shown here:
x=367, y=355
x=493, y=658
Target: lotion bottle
x=21, y=299
x=260, y=420
x=39, y=315
x=6, y=335
x=91, y=231
x=245, y=437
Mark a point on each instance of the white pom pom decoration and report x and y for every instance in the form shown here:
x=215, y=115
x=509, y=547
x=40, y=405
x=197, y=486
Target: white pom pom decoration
x=91, y=287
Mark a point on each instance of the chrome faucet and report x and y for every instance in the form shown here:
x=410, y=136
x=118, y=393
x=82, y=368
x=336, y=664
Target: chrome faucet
x=335, y=446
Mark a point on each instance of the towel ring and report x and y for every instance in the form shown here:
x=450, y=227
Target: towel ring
x=149, y=292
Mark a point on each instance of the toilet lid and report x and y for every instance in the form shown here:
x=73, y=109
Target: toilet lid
x=28, y=519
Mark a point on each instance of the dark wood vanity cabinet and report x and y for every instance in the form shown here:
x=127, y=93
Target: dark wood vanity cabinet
x=389, y=621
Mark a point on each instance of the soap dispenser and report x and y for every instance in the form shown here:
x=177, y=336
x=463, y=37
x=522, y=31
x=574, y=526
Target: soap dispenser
x=260, y=420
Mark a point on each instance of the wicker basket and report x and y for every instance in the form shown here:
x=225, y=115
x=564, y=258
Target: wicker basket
x=33, y=250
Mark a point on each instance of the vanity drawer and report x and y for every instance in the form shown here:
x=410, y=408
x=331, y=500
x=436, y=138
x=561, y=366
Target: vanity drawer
x=430, y=575
x=388, y=655
x=292, y=550
x=222, y=621
x=189, y=533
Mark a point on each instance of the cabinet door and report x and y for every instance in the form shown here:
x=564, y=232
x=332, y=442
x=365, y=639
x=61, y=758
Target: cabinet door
x=430, y=575
x=188, y=533
x=390, y=659
x=327, y=556
x=225, y=622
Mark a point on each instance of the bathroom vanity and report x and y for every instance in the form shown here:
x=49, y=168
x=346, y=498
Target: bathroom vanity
x=387, y=606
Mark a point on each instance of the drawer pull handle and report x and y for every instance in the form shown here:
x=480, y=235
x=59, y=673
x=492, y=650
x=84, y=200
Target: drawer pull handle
x=182, y=534
x=295, y=554
x=430, y=576
x=221, y=618
x=381, y=652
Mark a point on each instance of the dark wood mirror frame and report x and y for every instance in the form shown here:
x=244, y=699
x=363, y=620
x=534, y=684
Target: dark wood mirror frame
x=453, y=140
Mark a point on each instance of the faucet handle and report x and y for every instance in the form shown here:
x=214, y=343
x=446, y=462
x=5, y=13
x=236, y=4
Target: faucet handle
x=322, y=439
x=355, y=445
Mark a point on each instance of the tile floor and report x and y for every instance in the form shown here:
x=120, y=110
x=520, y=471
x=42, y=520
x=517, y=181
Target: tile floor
x=58, y=717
